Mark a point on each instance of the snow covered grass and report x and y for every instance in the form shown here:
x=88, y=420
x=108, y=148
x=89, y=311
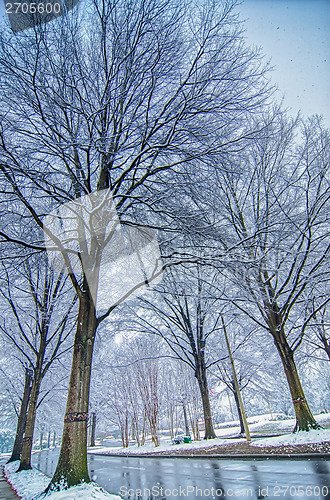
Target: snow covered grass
x=30, y=485
x=264, y=424
x=165, y=446
x=317, y=436
x=257, y=419
x=259, y=425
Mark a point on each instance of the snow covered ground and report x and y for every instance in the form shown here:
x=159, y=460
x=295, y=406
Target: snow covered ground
x=29, y=485
x=165, y=445
x=260, y=425
x=318, y=436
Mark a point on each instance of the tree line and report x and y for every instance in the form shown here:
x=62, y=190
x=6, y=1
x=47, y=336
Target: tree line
x=143, y=136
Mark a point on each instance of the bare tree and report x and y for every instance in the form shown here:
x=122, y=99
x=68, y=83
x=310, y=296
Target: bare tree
x=271, y=223
x=37, y=328
x=185, y=317
x=148, y=372
x=130, y=396
x=121, y=406
x=148, y=87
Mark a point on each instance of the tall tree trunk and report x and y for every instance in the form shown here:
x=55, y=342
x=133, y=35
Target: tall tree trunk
x=153, y=420
x=304, y=417
x=41, y=440
x=126, y=431
x=25, y=463
x=72, y=463
x=186, y=423
x=204, y=390
x=137, y=431
x=93, y=429
x=18, y=444
x=238, y=410
x=144, y=429
x=170, y=417
x=122, y=433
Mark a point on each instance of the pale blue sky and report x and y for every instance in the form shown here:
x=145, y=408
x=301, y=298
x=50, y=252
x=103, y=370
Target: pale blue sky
x=295, y=35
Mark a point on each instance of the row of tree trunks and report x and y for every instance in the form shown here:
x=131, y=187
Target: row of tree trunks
x=124, y=430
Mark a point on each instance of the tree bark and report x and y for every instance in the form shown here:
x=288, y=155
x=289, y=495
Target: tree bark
x=238, y=410
x=304, y=417
x=72, y=464
x=93, y=429
x=25, y=463
x=126, y=431
x=18, y=444
x=186, y=423
x=200, y=374
x=204, y=390
x=170, y=418
x=153, y=420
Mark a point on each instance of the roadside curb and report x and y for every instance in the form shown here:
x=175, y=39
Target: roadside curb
x=241, y=456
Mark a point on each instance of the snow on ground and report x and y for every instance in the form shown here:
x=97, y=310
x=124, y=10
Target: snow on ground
x=30, y=484
x=317, y=436
x=267, y=424
x=259, y=425
x=164, y=446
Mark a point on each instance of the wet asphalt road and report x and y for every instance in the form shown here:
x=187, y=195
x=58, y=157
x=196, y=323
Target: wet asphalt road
x=191, y=478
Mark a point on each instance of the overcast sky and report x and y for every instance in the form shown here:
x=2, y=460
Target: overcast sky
x=295, y=35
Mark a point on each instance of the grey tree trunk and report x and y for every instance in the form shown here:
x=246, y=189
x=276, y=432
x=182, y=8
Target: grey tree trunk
x=238, y=410
x=186, y=423
x=25, y=463
x=204, y=390
x=18, y=444
x=72, y=463
x=93, y=429
x=304, y=417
